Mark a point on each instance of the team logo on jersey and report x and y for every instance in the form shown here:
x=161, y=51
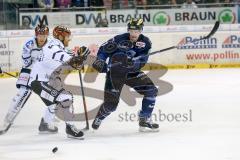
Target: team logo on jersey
x=29, y=44
x=140, y=44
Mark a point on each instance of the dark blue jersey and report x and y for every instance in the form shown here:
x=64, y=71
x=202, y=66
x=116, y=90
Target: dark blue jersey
x=141, y=48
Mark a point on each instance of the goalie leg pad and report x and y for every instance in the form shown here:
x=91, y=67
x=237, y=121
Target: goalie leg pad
x=17, y=104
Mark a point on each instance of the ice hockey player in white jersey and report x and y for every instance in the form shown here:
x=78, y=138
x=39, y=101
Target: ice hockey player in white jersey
x=45, y=80
x=32, y=49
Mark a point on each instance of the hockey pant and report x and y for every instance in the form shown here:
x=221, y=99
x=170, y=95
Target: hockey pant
x=54, y=96
x=139, y=82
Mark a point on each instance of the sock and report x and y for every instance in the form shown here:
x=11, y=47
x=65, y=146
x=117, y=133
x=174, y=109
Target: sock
x=147, y=106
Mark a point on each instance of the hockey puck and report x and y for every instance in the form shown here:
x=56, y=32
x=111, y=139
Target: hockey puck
x=55, y=149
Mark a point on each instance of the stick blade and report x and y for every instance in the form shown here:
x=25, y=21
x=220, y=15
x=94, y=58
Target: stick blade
x=85, y=129
x=5, y=129
x=2, y=132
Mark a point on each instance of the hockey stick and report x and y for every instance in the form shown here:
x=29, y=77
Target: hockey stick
x=1, y=72
x=213, y=31
x=5, y=129
x=84, y=101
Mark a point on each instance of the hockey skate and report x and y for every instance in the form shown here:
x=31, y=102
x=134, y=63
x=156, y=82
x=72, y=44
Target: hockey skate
x=96, y=123
x=146, y=125
x=45, y=128
x=5, y=128
x=73, y=132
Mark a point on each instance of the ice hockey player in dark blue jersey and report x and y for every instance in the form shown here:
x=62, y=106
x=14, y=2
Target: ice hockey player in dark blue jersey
x=126, y=54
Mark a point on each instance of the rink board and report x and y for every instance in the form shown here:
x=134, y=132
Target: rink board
x=221, y=50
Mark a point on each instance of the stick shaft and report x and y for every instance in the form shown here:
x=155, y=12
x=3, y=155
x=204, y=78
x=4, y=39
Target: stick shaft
x=83, y=98
x=9, y=74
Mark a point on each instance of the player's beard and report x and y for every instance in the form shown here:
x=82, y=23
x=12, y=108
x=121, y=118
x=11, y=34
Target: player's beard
x=41, y=42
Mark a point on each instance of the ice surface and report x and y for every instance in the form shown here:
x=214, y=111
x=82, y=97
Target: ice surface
x=213, y=133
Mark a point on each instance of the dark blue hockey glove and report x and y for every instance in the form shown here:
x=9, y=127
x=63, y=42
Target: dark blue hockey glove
x=131, y=54
x=121, y=64
x=100, y=65
x=134, y=65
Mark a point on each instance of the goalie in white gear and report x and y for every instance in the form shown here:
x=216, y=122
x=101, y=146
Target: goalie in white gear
x=45, y=80
x=32, y=49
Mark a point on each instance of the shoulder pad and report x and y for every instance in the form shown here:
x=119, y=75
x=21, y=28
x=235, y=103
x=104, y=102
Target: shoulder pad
x=55, y=42
x=121, y=37
x=146, y=41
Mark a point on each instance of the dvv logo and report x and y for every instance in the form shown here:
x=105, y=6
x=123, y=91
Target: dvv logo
x=232, y=41
x=227, y=16
x=161, y=18
x=35, y=20
x=191, y=43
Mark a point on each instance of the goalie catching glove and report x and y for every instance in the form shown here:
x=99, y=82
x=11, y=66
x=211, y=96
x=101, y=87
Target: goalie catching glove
x=77, y=60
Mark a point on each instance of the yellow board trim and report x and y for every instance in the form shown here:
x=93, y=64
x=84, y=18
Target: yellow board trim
x=148, y=67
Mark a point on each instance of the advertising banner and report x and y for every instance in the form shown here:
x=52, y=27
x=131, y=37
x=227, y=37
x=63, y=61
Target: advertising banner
x=116, y=18
x=221, y=48
x=226, y=15
x=7, y=54
x=70, y=19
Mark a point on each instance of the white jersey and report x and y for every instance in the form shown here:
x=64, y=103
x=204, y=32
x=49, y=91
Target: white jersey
x=31, y=53
x=54, y=55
